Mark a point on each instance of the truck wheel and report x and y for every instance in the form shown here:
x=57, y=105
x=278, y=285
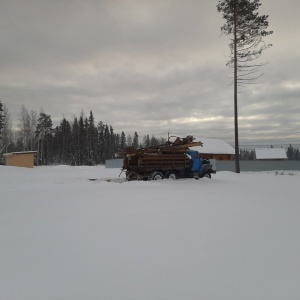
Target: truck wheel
x=172, y=176
x=156, y=176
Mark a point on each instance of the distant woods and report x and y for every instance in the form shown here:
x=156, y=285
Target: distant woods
x=80, y=141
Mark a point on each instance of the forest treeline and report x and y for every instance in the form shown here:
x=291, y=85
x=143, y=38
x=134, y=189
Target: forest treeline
x=80, y=141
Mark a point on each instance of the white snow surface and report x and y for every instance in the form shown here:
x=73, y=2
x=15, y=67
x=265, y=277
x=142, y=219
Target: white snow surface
x=63, y=237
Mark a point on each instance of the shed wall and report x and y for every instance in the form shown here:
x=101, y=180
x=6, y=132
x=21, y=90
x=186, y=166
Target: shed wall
x=20, y=160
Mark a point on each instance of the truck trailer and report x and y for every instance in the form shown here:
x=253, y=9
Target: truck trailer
x=171, y=160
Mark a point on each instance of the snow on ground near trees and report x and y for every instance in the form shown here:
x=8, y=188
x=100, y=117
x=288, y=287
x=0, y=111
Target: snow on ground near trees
x=64, y=237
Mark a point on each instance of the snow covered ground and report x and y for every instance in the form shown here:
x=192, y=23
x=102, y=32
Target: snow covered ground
x=63, y=237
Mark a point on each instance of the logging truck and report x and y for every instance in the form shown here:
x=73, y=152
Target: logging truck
x=171, y=160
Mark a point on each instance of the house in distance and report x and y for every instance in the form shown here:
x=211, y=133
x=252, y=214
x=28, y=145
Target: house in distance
x=270, y=154
x=214, y=149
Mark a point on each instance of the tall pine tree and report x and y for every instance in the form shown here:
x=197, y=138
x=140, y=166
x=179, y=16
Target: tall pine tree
x=75, y=143
x=123, y=141
x=290, y=153
x=247, y=30
x=7, y=143
x=100, y=144
x=92, y=140
x=63, y=143
x=1, y=118
x=44, y=137
x=135, y=143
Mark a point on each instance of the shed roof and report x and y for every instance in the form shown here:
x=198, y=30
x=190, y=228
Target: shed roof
x=270, y=153
x=16, y=153
x=213, y=146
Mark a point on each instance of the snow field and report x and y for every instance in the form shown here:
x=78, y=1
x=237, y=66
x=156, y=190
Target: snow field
x=235, y=236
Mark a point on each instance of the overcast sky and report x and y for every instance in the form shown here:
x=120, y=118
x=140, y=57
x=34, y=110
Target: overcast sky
x=148, y=66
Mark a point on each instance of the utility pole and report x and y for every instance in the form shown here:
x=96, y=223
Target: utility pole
x=236, y=130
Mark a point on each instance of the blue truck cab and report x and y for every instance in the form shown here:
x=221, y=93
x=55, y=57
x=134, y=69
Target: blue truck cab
x=200, y=167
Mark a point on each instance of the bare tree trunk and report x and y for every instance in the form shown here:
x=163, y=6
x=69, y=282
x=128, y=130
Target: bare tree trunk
x=236, y=130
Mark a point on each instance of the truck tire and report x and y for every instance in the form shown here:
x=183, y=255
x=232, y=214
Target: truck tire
x=172, y=176
x=156, y=176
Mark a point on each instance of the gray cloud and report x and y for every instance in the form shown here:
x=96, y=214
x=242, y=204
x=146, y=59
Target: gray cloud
x=148, y=66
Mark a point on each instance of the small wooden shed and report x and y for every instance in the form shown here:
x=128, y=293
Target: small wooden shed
x=20, y=159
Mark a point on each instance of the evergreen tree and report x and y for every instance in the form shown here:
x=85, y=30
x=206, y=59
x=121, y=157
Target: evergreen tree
x=162, y=141
x=243, y=154
x=27, y=125
x=63, y=143
x=112, y=145
x=154, y=141
x=75, y=152
x=100, y=144
x=290, y=153
x=44, y=137
x=117, y=142
x=135, y=143
x=33, y=124
x=146, y=141
x=81, y=140
x=123, y=141
x=66, y=141
x=92, y=140
x=296, y=154
x=1, y=119
x=56, y=157
x=129, y=140
x=247, y=29
x=86, y=144
x=106, y=144
x=24, y=128
x=247, y=155
x=6, y=140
